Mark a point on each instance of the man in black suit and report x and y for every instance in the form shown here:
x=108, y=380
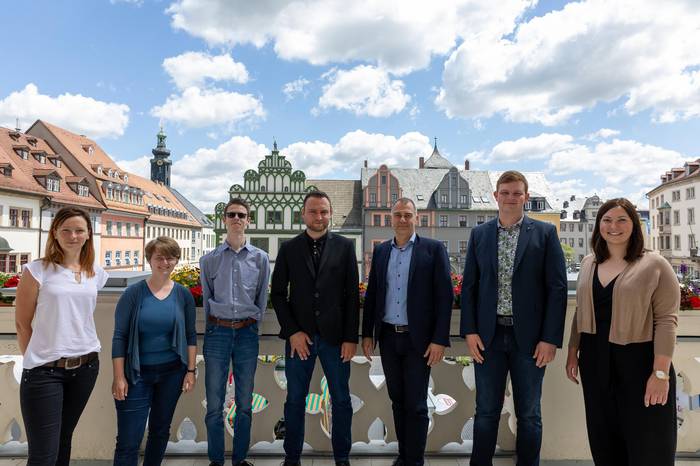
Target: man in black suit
x=407, y=310
x=316, y=298
x=514, y=293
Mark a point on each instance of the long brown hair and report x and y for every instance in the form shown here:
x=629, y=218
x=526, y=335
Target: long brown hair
x=635, y=245
x=54, y=253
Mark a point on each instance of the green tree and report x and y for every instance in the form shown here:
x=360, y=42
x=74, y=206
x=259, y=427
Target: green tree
x=568, y=253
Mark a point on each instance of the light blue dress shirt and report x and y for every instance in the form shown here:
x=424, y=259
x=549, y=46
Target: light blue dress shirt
x=234, y=284
x=397, y=283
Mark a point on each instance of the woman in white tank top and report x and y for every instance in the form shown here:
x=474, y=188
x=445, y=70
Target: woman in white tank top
x=56, y=334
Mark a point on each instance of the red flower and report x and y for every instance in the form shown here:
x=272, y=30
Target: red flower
x=196, y=291
x=695, y=302
x=11, y=282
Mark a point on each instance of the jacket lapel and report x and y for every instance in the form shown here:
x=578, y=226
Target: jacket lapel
x=306, y=252
x=412, y=267
x=324, y=253
x=492, y=244
x=523, y=238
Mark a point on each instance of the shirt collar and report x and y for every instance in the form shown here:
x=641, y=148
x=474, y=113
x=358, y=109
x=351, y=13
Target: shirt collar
x=411, y=240
x=245, y=246
x=321, y=239
x=515, y=225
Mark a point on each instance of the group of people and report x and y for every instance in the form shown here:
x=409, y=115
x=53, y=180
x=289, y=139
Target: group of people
x=514, y=296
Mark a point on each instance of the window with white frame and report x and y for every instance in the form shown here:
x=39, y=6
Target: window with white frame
x=127, y=257
x=136, y=258
x=108, y=258
x=118, y=257
x=691, y=216
x=83, y=190
x=53, y=184
x=444, y=221
x=690, y=193
x=676, y=217
x=462, y=220
x=676, y=241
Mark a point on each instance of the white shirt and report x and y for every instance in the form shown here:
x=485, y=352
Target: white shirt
x=63, y=325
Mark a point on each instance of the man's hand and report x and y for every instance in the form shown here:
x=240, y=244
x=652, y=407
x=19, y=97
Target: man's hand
x=475, y=346
x=299, y=343
x=368, y=347
x=544, y=353
x=347, y=350
x=434, y=353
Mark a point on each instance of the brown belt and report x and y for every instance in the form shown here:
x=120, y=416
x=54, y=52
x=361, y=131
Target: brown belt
x=229, y=323
x=72, y=363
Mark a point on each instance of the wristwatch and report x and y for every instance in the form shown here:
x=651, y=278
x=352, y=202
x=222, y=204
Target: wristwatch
x=662, y=375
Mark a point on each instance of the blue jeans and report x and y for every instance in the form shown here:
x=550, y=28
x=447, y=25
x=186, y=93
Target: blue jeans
x=156, y=391
x=224, y=347
x=501, y=357
x=299, y=374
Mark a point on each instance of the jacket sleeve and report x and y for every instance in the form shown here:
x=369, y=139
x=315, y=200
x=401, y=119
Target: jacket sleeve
x=279, y=294
x=190, y=317
x=444, y=297
x=351, y=319
x=368, y=314
x=470, y=289
x=665, y=302
x=555, y=290
x=122, y=321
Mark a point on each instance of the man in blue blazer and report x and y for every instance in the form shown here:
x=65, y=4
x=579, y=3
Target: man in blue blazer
x=514, y=293
x=407, y=310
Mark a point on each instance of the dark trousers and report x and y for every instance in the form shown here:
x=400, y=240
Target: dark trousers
x=407, y=376
x=298, y=373
x=621, y=430
x=501, y=357
x=152, y=397
x=52, y=400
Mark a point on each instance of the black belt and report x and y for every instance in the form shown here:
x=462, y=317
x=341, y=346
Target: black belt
x=72, y=363
x=230, y=323
x=506, y=321
x=397, y=328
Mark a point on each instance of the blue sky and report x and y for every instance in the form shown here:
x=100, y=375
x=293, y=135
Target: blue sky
x=601, y=96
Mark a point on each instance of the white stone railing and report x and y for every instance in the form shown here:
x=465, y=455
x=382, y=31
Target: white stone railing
x=562, y=409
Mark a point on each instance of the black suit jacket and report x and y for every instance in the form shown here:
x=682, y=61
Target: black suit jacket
x=327, y=302
x=539, y=286
x=429, y=300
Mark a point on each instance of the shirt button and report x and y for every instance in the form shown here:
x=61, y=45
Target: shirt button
x=318, y=313
x=316, y=295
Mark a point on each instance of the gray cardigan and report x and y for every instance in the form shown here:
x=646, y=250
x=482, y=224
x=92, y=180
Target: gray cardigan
x=125, y=342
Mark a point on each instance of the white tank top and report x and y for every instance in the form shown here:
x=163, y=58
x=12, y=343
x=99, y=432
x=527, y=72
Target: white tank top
x=63, y=325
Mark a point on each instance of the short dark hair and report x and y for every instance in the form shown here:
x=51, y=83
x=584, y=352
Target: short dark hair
x=405, y=200
x=635, y=246
x=317, y=194
x=238, y=201
x=511, y=176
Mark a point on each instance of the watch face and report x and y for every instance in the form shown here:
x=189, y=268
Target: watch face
x=159, y=162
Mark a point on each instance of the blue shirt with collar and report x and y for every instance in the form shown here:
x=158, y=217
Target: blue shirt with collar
x=397, y=282
x=234, y=283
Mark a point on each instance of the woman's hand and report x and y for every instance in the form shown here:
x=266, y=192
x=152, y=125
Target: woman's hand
x=120, y=387
x=572, y=365
x=657, y=391
x=189, y=382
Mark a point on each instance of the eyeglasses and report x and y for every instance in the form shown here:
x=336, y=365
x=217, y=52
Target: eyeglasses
x=240, y=215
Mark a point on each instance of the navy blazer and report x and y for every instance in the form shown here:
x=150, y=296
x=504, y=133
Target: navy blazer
x=539, y=286
x=429, y=300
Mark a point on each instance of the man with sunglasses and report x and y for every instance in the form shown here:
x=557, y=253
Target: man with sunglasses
x=234, y=280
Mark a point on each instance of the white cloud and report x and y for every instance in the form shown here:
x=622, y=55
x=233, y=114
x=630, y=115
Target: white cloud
x=400, y=37
x=75, y=112
x=140, y=166
x=603, y=133
x=364, y=90
x=195, y=68
x=564, y=62
x=294, y=88
x=196, y=108
x=538, y=147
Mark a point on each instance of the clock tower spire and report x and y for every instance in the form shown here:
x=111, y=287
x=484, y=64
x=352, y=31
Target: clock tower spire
x=161, y=163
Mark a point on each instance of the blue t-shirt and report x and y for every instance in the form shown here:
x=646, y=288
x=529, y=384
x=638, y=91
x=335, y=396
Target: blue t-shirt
x=156, y=324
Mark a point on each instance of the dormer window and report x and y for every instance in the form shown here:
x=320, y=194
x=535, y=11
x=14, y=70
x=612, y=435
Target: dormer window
x=53, y=184
x=89, y=149
x=40, y=157
x=14, y=135
x=55, y=161
x=83, y=190
x=6, y=169
x=23, y=153
x=31, y=141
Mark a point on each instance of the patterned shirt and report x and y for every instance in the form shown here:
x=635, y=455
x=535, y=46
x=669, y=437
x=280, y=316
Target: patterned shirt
x=507, y=244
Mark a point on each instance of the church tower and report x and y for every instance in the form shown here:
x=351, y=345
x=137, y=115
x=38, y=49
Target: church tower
x=160, y=163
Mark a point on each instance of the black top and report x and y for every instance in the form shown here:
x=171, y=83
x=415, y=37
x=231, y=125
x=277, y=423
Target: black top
x=602, y=301
x=316, y=248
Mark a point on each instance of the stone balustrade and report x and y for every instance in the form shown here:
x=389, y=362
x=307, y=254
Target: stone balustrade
x=562, y=407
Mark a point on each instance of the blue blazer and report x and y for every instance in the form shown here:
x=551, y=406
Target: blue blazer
x=429, y=300
x=539, y=285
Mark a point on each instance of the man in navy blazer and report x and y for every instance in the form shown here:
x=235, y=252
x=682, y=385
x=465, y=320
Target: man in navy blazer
x=407, y=310
x=514, y=293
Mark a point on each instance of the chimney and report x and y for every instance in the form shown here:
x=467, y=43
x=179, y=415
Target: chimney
x=466, y=164
x=566, y=204
x=365, y=164
x=421, y=162
x=573, y=198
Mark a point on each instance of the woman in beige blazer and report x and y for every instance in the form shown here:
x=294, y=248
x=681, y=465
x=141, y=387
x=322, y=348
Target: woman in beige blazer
x=622, y=341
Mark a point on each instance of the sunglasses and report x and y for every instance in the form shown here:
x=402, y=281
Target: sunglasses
x=240, y=215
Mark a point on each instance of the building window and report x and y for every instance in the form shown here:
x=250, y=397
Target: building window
x=571, y=242
x=136, y=258
x=262, y=243
x=372, y=199
x=53, y=184
x=118, y=257
x=443, y=221
x=109, y=227
x=571, y=227
x=443, y=198
x=127, y=257
x=26, y=218
x=676, y=241
x=23, y=153
x=462, y=220
x=83, y=190
x=14, y=217
x=387, y=220
x=479, y=219
x=462, y=247
x=463, y=199
x=128, y=233
x=274, y=216
x=119, y=229
x=136, y=229
x=675, y=196
x=424, y=220
x=676, y=217
x=252, y=216
x=376, y=220
x=580, y=242
x=394, y=198
x=590, y=228
x=296, y=217
x=580, y=227
x=691, y=216
x=383, y=179
x=690, y=193
x=691, y=242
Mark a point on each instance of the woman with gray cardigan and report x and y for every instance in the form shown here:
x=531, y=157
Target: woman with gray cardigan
x=622, y=341
x=154, y=352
